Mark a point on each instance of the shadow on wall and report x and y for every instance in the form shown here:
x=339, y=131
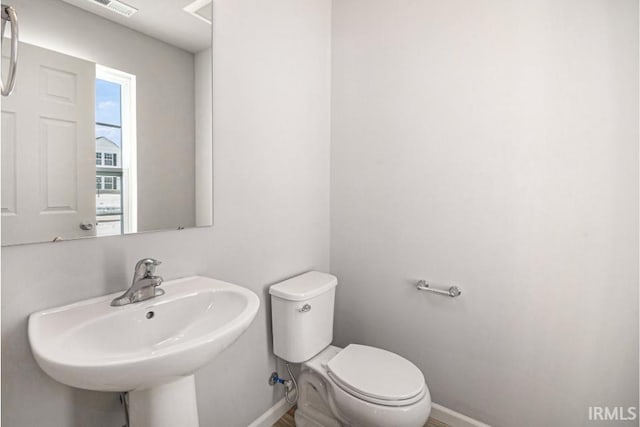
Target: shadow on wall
x=97, y=406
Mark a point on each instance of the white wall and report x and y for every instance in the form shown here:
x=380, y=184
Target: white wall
x=271, y=192
x=203, y=70
x=492, y=144
x=165, y=97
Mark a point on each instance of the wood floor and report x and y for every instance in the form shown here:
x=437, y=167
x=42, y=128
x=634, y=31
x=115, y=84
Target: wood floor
x=288, y=421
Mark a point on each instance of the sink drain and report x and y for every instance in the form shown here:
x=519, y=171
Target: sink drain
x=150, y=315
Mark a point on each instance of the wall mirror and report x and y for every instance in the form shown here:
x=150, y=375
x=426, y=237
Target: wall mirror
x=109, y=128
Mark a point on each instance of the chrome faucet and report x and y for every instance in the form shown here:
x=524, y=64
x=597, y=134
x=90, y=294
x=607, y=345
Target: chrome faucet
x=144, y=284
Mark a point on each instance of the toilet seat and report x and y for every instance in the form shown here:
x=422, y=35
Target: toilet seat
x=377, y=376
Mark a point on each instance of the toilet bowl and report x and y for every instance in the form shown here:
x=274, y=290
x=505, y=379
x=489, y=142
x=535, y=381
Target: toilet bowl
x=359, y=400
x=359, y=386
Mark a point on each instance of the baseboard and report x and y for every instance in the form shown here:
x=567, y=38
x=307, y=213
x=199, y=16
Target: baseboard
x=439, y=412
x=453, y=418
x=272, y=415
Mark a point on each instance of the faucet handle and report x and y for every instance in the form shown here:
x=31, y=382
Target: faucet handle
x=147, y=267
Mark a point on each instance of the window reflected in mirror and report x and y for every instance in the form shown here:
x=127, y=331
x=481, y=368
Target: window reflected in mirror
x=113, y=209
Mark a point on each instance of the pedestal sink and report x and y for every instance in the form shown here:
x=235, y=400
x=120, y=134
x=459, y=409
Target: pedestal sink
x=150, y=349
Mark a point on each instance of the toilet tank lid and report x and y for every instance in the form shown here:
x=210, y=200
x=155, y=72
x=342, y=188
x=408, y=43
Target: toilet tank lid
x=304, y=287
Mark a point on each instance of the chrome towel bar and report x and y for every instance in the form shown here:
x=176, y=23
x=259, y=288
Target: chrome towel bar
x=452, y=292
x=8, y=14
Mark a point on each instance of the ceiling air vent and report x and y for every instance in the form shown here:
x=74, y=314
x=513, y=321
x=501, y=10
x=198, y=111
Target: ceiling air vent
x=117, y=7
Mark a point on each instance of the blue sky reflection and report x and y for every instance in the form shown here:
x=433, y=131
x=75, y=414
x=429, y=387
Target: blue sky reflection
x=108, y=110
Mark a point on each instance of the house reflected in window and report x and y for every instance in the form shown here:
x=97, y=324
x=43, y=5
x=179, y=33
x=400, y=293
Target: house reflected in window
x=109, y=203
x=108, y=186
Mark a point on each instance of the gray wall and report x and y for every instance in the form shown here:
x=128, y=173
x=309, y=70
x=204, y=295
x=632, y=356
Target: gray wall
x=165, y=100
x=271, y=214
x=204, y=133
x=492, y=144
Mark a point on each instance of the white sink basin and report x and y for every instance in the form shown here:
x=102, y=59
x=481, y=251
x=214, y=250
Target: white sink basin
x=95, y=346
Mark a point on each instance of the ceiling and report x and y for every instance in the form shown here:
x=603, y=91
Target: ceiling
x=164, y=20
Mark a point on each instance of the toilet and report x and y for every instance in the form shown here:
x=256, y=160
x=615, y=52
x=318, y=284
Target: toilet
x=359, y=385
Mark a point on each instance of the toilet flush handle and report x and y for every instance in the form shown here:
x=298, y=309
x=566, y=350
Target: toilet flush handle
x=305, y=308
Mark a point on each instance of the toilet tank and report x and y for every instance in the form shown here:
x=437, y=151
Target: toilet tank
x=302, y=315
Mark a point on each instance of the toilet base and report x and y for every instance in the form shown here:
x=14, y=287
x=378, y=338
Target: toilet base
x=312, y=410
x=305, y=419
x=322, y=403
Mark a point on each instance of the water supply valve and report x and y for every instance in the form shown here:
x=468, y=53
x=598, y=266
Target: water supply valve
x=275, y=379
x=289, y=385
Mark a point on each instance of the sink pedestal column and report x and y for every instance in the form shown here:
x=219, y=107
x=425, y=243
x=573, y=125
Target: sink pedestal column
x=167, y=405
